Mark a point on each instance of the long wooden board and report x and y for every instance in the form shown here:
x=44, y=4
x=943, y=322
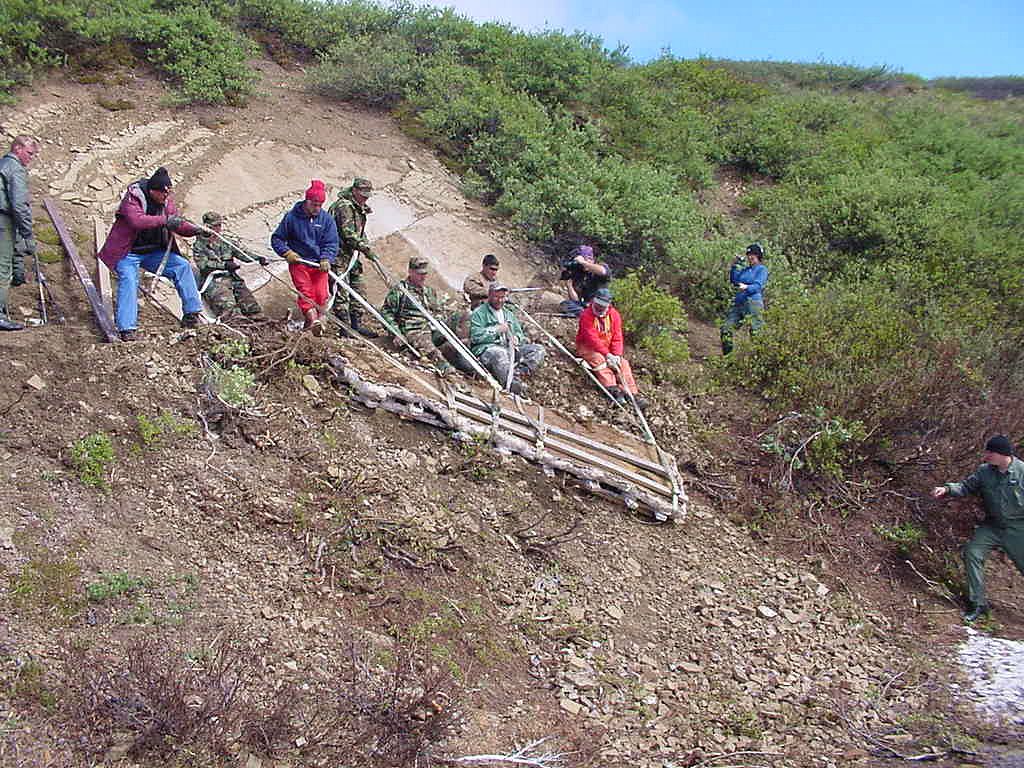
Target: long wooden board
x=102, y=270
x=103, y=319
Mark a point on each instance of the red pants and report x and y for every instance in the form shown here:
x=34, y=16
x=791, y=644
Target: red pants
x=311, y=283
x=605, y=374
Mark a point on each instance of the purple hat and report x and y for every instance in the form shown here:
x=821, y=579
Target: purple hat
x=585, y=251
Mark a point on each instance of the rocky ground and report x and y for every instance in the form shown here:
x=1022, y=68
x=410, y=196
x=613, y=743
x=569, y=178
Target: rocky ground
x=337, y=551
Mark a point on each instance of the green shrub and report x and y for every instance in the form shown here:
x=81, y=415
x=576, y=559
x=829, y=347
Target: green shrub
x=111, y=585
x=376, y=71
x=153, y=430
x=91, y=457
x=232, y=385
x=48, y=583
x=904, y=536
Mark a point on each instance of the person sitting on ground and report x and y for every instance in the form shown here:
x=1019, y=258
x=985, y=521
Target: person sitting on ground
x=476, y=285
x=17, y=242
x=497, y=339
x=402, y=313
x=308, y=233
x=143, y=237
x=583, y=275
x=350, y=211
x=1000, y=483
x=599, y=342
x=219, y=281
x=749, y=281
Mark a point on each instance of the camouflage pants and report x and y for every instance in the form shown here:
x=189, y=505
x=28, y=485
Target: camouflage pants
x=225, y=293
x=422, y=342
x=346, y=309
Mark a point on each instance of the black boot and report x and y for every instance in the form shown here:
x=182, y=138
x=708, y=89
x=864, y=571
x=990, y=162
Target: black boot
x=190, y=320
x=6, y=324
x=976, y=612
x=617, y=394
x=358, y=327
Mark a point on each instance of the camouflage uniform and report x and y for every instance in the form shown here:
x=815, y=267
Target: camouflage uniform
x=402, y=313
x=226, y=290
x=350, y=217
x=476, y=287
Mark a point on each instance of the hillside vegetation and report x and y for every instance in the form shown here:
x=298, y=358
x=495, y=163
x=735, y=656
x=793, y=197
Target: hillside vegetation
x=892, y=212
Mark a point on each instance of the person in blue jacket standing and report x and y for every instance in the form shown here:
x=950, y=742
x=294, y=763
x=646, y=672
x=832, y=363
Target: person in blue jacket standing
x=749, y=300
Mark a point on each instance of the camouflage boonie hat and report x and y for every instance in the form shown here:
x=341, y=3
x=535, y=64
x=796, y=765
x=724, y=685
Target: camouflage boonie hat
x=212, y=217
x=360, y=183
x=419, y=264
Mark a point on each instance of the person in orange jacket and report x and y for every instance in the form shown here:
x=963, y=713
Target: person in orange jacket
x=599, y=343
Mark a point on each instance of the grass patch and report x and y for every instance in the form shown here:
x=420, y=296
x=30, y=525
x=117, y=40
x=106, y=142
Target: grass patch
x=112, y=585
x=91, y=457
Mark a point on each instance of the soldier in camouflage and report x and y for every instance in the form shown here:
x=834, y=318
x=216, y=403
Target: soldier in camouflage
x=400, y=311
x=350, y=211
x=219, y=281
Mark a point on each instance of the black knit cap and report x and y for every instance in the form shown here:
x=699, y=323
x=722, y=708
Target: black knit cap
x=160, y=179
x=1000, y=444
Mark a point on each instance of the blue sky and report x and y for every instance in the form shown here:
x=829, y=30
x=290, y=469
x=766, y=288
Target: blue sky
x=931, y=39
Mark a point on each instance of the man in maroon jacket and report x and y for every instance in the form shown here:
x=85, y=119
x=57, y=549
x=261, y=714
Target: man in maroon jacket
x=599, y=342
x=143, y=236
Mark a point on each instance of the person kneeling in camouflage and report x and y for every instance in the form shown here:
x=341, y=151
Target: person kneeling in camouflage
x=402, y=313
x=497, y=338
x=220, y=284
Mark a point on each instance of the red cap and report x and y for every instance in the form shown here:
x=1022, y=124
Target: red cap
x=317, y=192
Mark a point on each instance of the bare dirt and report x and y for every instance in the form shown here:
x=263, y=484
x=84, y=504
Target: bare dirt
x=303, y=526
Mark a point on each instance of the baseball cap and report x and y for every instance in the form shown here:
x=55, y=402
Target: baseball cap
x=419, y=264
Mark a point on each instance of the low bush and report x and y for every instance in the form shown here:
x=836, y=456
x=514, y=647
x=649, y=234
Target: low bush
x=91, y=456
x=654, y=319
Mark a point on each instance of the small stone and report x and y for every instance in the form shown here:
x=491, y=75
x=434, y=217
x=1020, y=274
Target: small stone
x=311, y=384
x=36, y=383
x=570, y=706
x=576, y=613
x=614, y=611
x=690, y=667
x=766, y=612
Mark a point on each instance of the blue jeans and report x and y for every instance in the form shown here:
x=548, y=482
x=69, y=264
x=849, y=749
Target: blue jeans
x=177, y=269
x=737, y=313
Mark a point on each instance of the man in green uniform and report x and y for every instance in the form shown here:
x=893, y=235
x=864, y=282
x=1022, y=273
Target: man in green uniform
x=219, y=281
x=1000, y=483
x=402, y=312
x=350, y=211
x=16, y=239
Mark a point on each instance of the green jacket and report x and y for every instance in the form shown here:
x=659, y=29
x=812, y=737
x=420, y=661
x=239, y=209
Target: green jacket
x=350, y=217
x=483, y=328
x=14, y=200
x=403, y=313
x=1003, y=495
x=211, y=253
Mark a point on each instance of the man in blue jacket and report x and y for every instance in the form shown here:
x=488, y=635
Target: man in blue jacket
x=749, y=281
x=308, y=233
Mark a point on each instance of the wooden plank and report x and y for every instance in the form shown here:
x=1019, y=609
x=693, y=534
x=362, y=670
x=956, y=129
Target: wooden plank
x=102, y=270
x=557, y=446
x=102, y=317
x=609, y=450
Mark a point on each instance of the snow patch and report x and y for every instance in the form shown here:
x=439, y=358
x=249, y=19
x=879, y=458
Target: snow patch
x=995, y=669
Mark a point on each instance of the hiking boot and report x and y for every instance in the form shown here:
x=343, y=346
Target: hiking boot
x=518, y=388
x=129, y=335
x=344, y=332
x=976, y=613
x=618, y=395
x=6, y=324
x=190, y=320
x=641, y=402
x=358, y=327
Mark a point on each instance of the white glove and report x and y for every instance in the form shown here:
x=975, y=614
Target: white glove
x=613, y=361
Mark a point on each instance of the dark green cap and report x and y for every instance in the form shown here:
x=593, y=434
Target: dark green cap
x=419, y=264
x=360, y=183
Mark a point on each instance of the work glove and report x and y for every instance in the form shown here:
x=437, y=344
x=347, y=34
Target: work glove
x=291, y=257
x=231, y=265
x=613, y=361
x=263, y=260
x=325, y=265
x=175, y=221
x=742, y=286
